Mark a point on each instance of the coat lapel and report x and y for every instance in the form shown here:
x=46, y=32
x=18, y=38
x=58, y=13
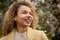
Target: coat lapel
x=30, y=34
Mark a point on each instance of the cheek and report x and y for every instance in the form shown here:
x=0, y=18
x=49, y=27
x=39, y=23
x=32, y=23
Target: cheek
x=20, y=17
x=32, y=17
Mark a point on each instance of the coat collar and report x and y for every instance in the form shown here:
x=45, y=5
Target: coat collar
x=30, y=35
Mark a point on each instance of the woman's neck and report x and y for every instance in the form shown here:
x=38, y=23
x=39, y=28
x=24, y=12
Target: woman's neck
x=21, y=29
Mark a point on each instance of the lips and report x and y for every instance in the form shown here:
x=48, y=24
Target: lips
x=27, y=21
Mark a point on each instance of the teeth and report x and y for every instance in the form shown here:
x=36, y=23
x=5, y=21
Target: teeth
x=27, y=20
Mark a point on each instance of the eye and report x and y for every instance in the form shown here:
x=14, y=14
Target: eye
x=30, y=13
x=24, y=12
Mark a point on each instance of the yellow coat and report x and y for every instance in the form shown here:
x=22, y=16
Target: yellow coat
x=32, y=34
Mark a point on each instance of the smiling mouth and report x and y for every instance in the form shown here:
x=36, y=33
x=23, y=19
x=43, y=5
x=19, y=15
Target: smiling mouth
x=28, y=21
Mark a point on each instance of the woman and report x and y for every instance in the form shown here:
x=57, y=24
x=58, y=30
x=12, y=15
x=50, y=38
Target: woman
x=19, y=23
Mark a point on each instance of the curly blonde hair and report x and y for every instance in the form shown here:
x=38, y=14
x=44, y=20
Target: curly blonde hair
x=8, y=23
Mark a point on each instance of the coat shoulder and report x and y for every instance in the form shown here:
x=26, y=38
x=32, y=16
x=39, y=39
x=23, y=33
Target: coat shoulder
x=40, y=34
x=38, y=31
x=3, y=38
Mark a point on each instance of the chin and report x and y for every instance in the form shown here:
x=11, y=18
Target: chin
x=27, y=24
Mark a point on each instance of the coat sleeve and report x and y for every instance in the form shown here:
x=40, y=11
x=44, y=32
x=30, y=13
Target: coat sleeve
x=43, y=36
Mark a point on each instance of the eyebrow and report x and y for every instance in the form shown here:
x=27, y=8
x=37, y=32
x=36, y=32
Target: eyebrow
x=26, y=11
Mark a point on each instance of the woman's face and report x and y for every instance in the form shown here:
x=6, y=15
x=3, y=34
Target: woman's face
x=24, y=16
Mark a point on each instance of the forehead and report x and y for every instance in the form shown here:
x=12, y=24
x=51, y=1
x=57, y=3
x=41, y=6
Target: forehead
x=23, y=7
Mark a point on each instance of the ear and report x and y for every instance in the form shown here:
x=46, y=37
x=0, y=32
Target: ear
x=15, y=18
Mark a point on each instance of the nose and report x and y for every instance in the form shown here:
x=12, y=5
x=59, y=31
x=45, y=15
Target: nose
x=29, y=16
